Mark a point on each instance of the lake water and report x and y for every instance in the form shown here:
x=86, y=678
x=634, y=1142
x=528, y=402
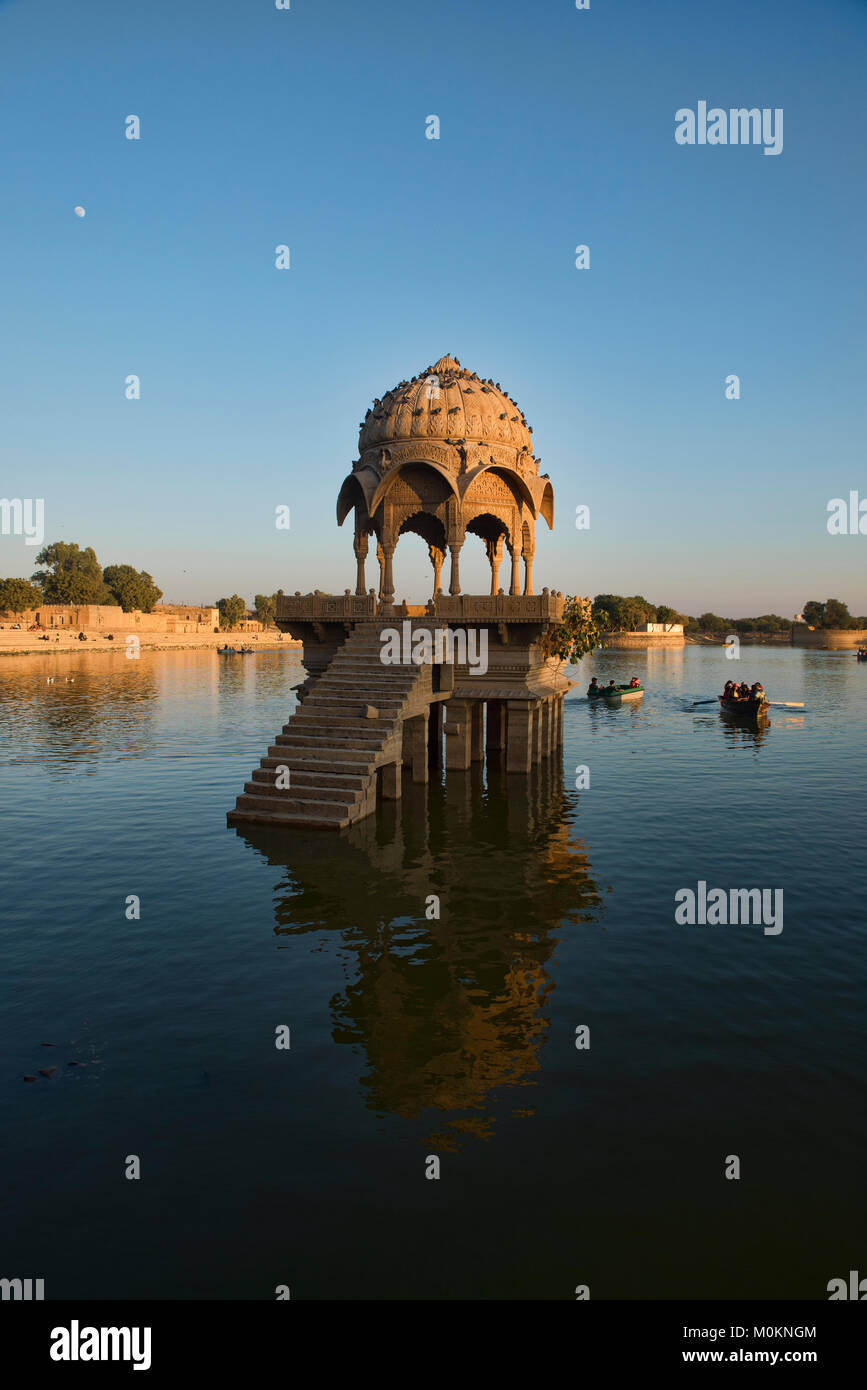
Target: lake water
x=410, y=1037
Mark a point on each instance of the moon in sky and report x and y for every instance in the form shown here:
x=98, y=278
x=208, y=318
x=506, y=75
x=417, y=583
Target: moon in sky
x=79, y=212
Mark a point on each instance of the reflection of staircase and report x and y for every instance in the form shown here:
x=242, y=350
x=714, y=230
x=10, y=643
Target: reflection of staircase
x=349, y=725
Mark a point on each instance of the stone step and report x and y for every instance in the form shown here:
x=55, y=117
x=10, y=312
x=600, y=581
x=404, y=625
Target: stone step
x=305, y=820
x=316, y=751
x=306, y=776
x=390, y=682
x=342, y=705
x=323, y=810
x=372, y=731
x=326, y=723
x=320, y=768
x=296, y=792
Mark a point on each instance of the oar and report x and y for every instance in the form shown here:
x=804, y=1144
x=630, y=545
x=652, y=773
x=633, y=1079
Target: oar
x=705, y=702
x=786, y=704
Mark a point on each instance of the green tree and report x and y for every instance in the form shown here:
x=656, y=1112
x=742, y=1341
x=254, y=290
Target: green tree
x=837, y=614
x=711, y=622
x=232, y=610
x=17, y=595
x=70, y=575
x=576, y=634
x=608, y=612
x=814, y=613
x=639, y=611
x=664, y=614
x=132, y=588
x=266, y=608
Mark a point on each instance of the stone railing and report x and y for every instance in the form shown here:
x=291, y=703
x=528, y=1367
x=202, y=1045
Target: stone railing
x=325, y=608
x=499, y=608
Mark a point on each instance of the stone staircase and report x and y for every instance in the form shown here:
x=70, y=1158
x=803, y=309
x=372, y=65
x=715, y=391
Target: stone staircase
x=349, y=725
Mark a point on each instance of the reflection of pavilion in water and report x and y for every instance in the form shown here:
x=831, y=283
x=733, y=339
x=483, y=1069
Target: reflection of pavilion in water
x=447, y=1010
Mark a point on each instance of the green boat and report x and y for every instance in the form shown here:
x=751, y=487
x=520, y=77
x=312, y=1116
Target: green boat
x=616, y=692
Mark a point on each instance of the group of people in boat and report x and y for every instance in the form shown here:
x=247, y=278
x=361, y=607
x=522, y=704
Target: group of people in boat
x=734, y=691
x=594, y=688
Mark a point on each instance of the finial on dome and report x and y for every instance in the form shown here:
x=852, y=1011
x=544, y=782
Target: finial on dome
x=447, y=364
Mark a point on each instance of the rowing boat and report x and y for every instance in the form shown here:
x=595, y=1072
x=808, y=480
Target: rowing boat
x=617, y=692
x=743, y=709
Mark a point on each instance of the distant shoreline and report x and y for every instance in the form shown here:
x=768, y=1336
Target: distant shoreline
x=29, y=643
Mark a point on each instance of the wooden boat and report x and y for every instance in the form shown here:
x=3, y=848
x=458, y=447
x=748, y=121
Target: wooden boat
x=743, y=709
x=617, y=692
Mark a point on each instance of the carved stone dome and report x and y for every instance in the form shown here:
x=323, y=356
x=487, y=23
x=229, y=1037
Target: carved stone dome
x=448, y=403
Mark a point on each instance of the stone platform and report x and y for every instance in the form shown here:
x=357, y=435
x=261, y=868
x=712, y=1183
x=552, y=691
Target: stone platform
x=362, y=719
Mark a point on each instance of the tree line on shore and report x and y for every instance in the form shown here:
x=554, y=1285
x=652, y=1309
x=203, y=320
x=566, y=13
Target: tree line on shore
x=615, y=613
x=69, y=575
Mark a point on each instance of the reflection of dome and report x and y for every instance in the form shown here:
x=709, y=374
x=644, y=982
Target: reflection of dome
x=446, y=402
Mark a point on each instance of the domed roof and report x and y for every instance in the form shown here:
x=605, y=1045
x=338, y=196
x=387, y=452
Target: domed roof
x=446, y=402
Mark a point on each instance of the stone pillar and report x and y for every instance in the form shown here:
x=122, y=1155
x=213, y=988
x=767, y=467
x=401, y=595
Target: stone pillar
x=391, y=782
x=436, y=558
x=529, y=552
x=457, y=730
x=387, y=578
x=455, y=582
x=561, y=702
x=519, y=729
x=380, y=556
x=537, y=731
x=435, y=734
x=495, y=555
x=549, y=715
x=515, y=554
x=477, y=747
x=495, y=736
x=360, y=548
x=415, y=736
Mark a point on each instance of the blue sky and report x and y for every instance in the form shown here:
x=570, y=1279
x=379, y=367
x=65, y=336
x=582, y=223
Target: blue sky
x=307, y=127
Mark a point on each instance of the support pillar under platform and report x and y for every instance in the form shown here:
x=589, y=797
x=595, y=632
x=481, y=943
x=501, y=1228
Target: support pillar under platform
x=458, y=735
x=415, y=746
x=519, y=736
x=537, y=731
x=477, y=746
x=391, y=782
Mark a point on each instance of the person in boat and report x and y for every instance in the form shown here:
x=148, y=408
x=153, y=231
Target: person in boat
x=743, y=691
x=593, y=688
x=729, y=690
x=634, y=683
x=757, y=691
x=611, y=686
